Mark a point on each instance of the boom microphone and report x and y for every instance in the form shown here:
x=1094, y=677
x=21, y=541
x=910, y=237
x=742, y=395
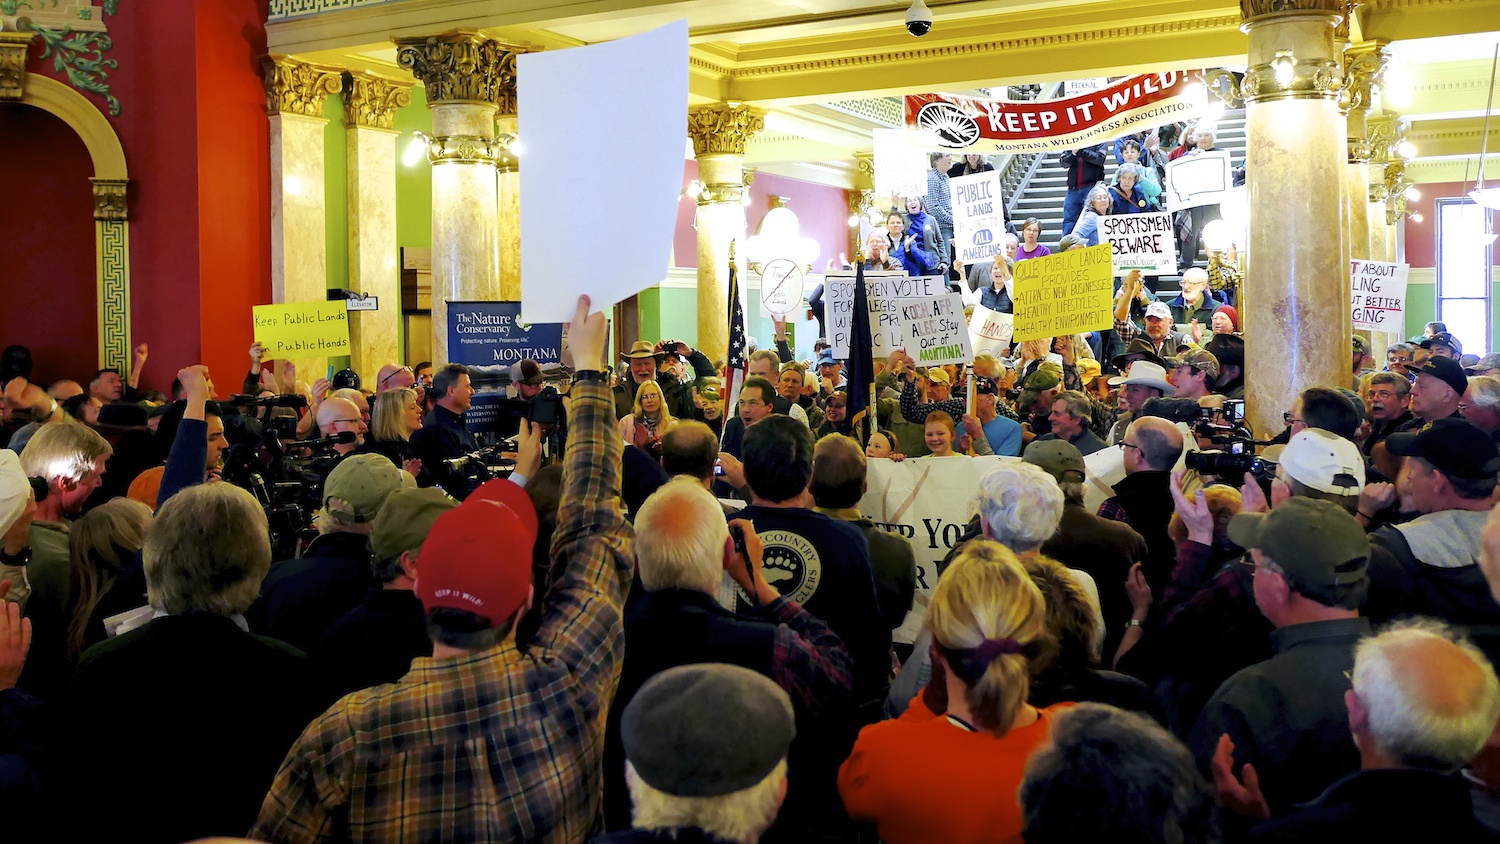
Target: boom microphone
x=341, y=438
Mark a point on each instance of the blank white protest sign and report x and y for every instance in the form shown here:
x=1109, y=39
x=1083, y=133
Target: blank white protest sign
x=602, y=128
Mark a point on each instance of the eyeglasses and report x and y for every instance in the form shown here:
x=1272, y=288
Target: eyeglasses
x=1124, y=445
x=1290, y=419
x=405, y=369
x=346, y=421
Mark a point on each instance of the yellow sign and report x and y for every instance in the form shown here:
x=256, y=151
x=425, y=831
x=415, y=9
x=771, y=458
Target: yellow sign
x=1068, y=293
x=306, y=330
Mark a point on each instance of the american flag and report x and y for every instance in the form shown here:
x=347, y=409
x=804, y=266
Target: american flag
x=738, y=365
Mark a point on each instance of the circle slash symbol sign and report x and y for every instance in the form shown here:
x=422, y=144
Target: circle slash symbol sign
x=954, y=128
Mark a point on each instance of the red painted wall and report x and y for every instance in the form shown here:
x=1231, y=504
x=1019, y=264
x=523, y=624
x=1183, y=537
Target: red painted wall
x=822, y=211
x=194, y=131
x=1421, y=238
x=234, y=183
x=47, y=279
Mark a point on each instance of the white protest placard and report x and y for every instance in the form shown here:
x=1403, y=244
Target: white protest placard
x=990, y=331
x=636, y=90
x=930, y=500
x=781, y=286
x=933, y=331
x=1144, y=242
x=978, y=216
x=1201, y=179
x=882, y=288
x=1378, y=295
x=901, y=162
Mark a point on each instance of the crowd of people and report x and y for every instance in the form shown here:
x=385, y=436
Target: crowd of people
x=668, y=619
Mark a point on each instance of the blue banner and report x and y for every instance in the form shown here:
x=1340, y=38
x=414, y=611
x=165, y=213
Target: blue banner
x=489, y=338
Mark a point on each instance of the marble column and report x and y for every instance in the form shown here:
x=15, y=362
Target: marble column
x=295, y=91
x=369, y=111
x=1364, y=65
x=508, y=193
x=466, y=76
x=719, y=134
x=1296, y=314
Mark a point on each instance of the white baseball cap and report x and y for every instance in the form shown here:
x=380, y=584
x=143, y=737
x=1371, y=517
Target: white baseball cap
x=1323, y=461
x=1159, y=309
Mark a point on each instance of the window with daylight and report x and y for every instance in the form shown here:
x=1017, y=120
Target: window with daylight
x=1463, y=273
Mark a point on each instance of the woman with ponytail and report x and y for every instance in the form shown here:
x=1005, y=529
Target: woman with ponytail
x=948, y=769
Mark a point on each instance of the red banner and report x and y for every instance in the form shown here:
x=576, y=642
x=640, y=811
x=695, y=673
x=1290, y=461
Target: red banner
x=969, y=125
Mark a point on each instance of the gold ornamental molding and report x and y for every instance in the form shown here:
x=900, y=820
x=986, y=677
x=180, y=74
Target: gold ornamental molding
x=110, y=199
x=464, y=66
x=372, y=100
x=13, y=49
x=463, y=149
x=294, y=86
x=723, y=129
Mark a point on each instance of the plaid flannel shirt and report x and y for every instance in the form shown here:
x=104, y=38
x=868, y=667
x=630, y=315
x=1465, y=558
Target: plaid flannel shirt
x=915, y=411
x=808, y=659
x=497, y=745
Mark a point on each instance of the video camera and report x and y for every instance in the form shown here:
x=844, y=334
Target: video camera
x=288, y=487
x=284, y=425
x=468, y=471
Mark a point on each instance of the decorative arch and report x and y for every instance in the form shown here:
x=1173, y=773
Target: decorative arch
x=111, y=223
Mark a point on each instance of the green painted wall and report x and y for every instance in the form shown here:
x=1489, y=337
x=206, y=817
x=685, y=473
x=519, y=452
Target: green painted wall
x=1421, y=307
x=414, y=183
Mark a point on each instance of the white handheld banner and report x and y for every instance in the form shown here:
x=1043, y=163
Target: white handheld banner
x=781, y=287
x=978, y=216
x=1378, y=295
x=637, y=85
x=901, y=162
x=933, y=331
x=1144, y=242
x=930, y=500
x=1201, y=179
x=881, y=289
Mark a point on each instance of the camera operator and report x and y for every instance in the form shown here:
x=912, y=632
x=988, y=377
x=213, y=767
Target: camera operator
x=443, y=435
x=546, y=406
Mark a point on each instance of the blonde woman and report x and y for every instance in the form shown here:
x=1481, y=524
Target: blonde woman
x=648, y=419
x=397, y=415
x=106, y=573
x=948, y=769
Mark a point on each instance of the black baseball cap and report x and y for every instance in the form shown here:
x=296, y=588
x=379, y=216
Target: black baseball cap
x=986, y=386
x=1453, y=446
x=1443, y=338
x=1447, y=370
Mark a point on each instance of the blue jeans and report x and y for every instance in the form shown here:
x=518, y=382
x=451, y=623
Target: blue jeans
x=1073, y=207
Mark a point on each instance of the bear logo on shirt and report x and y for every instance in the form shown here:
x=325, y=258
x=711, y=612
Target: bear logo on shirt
x=790, y=563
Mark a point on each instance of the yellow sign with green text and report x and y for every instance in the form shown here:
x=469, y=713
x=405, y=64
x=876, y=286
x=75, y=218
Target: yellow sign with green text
x=1067, y=293
x=303, y=330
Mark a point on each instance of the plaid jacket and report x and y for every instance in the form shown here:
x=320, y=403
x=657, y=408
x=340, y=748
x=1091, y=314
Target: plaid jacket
x=501, y=744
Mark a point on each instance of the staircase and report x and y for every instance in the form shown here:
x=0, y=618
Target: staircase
x=1042, y=194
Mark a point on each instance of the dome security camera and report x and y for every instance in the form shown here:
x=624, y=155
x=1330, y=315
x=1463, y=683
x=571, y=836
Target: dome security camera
x=918, y=19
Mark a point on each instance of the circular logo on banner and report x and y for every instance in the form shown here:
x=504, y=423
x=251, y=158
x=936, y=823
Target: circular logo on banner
x=790, y=563
x=781, y=286
x=954, y=128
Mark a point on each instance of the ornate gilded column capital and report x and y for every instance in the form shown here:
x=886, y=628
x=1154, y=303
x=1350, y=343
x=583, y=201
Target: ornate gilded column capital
x=372, y=100
x=1383, y=133
x=13, y=49
x=294, y=86
x=723, y=128
x=464, y=66
x=110, y=199
x=1251, y=11
x=1364, y=67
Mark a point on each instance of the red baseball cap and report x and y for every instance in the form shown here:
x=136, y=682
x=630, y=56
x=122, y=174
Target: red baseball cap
x=507, y=492
x=478, y=558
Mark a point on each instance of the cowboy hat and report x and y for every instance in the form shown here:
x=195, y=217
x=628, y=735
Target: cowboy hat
x=643, y=349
